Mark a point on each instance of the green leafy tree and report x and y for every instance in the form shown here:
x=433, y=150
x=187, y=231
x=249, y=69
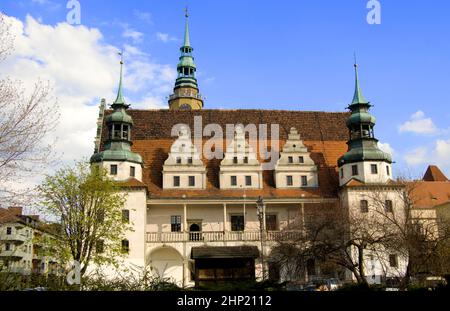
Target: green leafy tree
x=88, y=205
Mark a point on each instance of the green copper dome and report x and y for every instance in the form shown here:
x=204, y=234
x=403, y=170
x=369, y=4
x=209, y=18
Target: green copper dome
x=362, y=145
x=119, y=116
x=116, y=155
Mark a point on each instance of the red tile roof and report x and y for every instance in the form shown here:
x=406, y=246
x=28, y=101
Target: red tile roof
x=324, y=133
x=428, y=194
x=433, y=173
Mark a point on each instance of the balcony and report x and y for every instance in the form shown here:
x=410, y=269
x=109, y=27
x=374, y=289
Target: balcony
x=220, y=236
x=12, y=254
x=16, y=237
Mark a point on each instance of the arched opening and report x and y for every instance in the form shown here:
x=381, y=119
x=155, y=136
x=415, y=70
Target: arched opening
x=167, y=263
x=194, y=232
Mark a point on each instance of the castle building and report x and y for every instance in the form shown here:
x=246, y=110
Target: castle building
x=207, y=208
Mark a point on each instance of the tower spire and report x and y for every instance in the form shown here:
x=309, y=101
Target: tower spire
x=358, y=98
x=187, y=42
x=120, y=100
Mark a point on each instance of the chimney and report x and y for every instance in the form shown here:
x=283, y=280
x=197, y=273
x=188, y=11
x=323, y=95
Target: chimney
x=16, y=210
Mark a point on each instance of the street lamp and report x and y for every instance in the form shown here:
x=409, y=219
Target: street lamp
x=261, y=213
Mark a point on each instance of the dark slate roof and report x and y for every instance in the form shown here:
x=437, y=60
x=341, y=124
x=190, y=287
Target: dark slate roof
x=221, y=252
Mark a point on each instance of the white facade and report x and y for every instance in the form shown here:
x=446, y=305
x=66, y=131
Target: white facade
x=240, y=167
x=184, y=169
x=295, y=168
x=123, y=170
x=366, y=172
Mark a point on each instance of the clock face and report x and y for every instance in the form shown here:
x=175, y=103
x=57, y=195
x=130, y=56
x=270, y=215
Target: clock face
x=185, y=107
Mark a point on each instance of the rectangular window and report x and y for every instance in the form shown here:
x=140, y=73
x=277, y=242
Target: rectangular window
x=8, y=230
x=237, y=222
x=233, y=180
x=126, y=215
x=364, y=206
x=289, y=181
x=190, y=160
x=178, y=160
x=387, y=170
x=113, y=169
x=235, y=160
x=374, y=169
x=301, y=160
x=7, y=247
x=191, y=181
x=304, y=181
x=246, y=160
x=175, y=223
x=342, y=173
x=393, y=261
x=271, y=222
x=99, y=247
x=248, y=180
x=132, y=171
x=125, y=246
x=176, y=181
x=290, y=160
x=388, y=207
x=354, y=170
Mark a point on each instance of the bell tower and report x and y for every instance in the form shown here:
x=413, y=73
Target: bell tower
x=186, y=95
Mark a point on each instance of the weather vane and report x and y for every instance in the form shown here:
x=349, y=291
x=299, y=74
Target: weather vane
x=354, y=55
x=186, y=13
x=121, y=56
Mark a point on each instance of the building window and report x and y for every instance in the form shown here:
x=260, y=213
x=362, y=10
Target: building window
x=99, y=247
x=248, y=180
x=304, y=181
x=246, y=160
x=342, y=173
x=126, y=215
x=125, y=246
x=176, y=181
x=301, y=160
x=393, y=261
x=235, y=160
x=178, y=160
x=374, y=169
x=237, y=222
x=7, y=247
x=113, y=169
x=290, y=159
x=271, y=222
x=364, y=206
x=191, y=181
x=289, y=181
x=387, y=170
x=132, y=171
x=388, y=206
x=354, y=170
x=175, y=223
x=190, y=160
x=8, y=230
x=233, y=180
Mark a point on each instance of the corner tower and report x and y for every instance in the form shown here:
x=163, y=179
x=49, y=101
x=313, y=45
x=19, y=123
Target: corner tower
x=186, y=94
x=364, y=160
x=117, y=156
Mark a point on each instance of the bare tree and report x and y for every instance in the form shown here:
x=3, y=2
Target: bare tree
x=26, y=119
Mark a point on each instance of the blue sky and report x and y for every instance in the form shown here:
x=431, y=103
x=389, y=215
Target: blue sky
x=295, y=55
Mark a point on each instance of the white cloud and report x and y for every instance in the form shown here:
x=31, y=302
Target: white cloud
x=419, y=124
x=143, y=16
x=386, y=147
x=165, y=37
x=82, y=68
x=437, y=154
x=417, y=156
x=136, y=36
